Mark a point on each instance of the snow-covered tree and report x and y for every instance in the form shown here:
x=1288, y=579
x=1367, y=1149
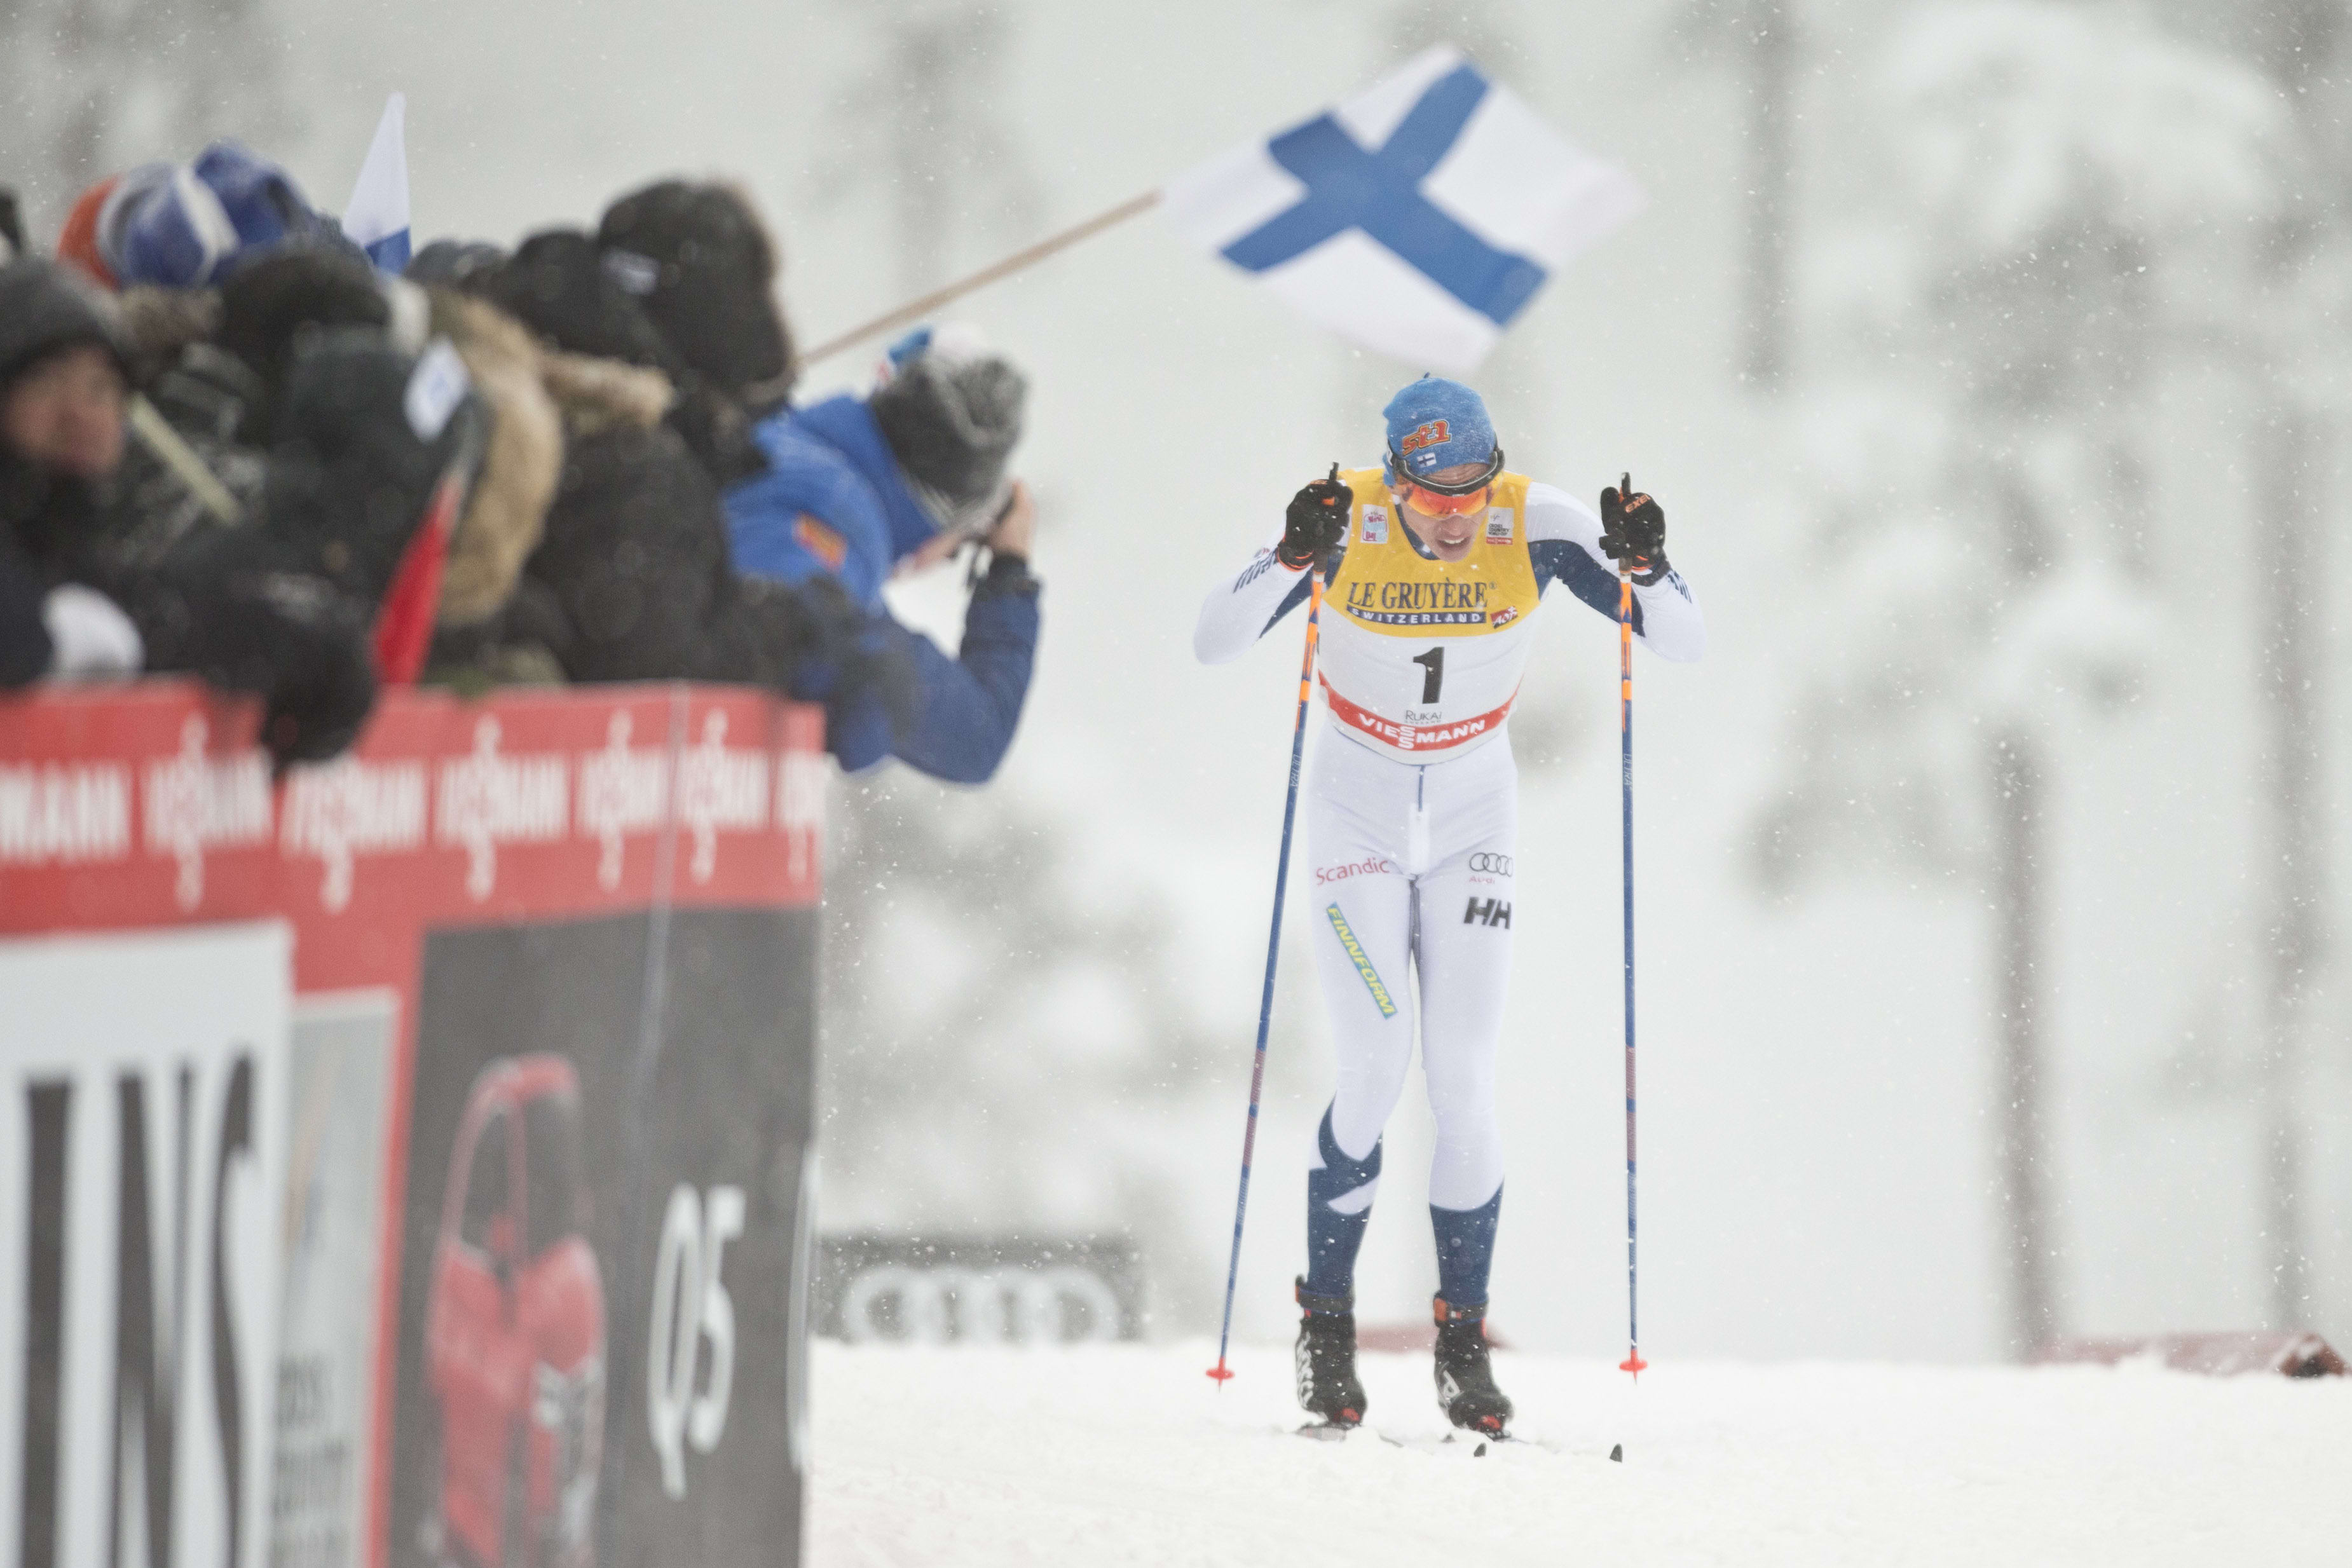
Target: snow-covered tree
x=922, y=124
x=2291, y=348
x=1760, y=39
x=2074, y=207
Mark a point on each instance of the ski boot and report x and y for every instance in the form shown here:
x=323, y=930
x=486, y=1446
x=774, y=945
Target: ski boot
x=1466, y=1378
x=1326, y=1359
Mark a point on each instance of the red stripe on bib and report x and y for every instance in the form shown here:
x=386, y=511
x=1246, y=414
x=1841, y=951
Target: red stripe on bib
x=1416, y=736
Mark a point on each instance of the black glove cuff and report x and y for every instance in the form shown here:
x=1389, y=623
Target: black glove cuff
x=1007, y=573
x=1656, y=575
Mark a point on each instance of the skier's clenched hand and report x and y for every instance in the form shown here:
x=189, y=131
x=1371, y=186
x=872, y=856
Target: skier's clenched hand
x=1633, y=531
x=1316, y=522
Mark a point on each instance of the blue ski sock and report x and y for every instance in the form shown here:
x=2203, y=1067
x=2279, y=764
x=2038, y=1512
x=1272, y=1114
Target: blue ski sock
x=1466, y=1249
x=1333, y=1234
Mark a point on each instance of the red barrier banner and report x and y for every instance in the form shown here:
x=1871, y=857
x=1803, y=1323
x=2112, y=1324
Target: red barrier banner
x=152, y=806
x=507, y=1209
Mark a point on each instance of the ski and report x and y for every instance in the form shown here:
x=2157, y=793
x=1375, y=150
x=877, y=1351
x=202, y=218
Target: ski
x=1454, y=1442
x=1451, y=1443
x=1331, y=1432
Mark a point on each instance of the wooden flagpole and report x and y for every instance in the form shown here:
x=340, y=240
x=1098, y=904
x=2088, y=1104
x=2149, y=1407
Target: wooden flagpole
x=915, y=310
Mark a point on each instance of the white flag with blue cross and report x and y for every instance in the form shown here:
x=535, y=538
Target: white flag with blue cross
x=376, y=218
x=1417, y=218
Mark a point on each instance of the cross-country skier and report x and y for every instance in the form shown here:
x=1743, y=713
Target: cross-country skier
x=1434, y=563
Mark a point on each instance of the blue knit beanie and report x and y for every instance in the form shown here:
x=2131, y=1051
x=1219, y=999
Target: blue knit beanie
x=184, y=226
x=1435, y=423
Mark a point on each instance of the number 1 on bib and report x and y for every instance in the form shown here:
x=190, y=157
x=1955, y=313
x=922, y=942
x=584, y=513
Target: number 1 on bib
x=1432, y=665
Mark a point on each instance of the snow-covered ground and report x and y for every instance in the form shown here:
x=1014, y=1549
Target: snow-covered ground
x=1127, y=1455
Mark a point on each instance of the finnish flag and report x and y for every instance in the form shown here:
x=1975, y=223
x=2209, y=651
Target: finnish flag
x=376, y=218
x=1417, y=218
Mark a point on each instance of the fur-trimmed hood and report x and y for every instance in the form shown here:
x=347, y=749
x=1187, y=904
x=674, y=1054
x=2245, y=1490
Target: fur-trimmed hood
x=507, y=509
x=596, y=394
x=540, y=401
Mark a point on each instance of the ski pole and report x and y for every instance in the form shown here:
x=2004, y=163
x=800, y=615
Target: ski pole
x=1632, y=1363
x=1273, y=949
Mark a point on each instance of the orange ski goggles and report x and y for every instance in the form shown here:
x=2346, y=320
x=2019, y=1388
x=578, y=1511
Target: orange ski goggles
x=1437, y=504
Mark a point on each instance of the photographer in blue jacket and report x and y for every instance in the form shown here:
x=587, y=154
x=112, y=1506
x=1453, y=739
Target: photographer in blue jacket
x=861, y=488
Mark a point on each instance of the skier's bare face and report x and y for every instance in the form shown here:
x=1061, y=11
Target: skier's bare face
x=1446, y=536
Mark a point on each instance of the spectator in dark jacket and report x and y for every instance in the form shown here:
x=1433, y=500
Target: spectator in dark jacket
x=284, y=635
x=333, y=469
x=62, y=393
x=699, y=259
x=843, y=491
x=215, y=359
x=631, y=579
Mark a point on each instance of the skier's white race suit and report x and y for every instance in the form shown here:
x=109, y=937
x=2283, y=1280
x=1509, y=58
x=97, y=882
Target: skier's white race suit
x=1413, y=826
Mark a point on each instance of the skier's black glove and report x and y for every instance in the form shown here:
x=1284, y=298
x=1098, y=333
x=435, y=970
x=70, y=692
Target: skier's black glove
x=1633, y=532
x=1315, y=523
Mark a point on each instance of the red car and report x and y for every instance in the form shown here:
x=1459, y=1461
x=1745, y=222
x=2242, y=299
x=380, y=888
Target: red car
x=514, y=1338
